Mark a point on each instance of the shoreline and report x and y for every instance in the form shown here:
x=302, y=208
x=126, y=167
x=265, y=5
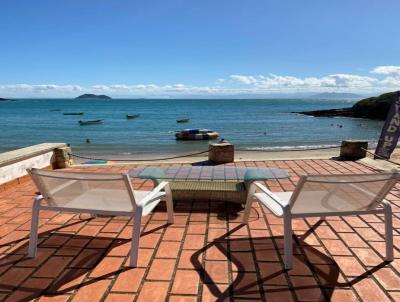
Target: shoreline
x=239, y=156
x=243, y=156
x=247, y=156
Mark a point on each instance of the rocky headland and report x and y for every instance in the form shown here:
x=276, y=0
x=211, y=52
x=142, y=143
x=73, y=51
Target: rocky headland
x=375, y=108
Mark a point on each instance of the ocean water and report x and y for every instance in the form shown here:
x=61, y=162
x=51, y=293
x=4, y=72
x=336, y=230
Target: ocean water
x=248, y=124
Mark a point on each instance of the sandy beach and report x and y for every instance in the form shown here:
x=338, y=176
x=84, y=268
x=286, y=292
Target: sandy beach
x=241, y=156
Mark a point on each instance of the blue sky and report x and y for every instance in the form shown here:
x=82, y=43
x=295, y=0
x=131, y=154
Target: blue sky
x=180, y=47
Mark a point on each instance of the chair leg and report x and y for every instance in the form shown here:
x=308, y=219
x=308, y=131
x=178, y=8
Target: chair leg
x=135, y=237
x=170, y=206
x=247, y=210
x=288, y=243
x=33, y=238
x=388, y=231
x=249, y=202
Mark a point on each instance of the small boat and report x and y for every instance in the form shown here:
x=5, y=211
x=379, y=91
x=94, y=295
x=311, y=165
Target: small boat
x=132, y=116
x=73, y=113
x=182, y=121
x=92, y=122
x=196, y=134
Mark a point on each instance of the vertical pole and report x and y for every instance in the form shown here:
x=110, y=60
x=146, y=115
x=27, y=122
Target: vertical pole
x=33, y=238
x=288, y=246
x=388, y=231
x=135, y=237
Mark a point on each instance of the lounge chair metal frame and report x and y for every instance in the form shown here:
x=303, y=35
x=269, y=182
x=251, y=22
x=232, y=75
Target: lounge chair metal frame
x=281, y=206
x=139, y=206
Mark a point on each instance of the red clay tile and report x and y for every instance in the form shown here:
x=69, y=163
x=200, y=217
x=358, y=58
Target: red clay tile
x=87, y=258
x=90, y=230
x=107, y=267
x=68, y=281
x=186, y=282
x=120, y=249
x=13, y=277
x=173, y=234
x=53, y=267
x=349, y=265
x=184, y=299
x=242, y=261
x=113, y=227
x=29, y=290
x=58, y=298
x=119, y=297
x=189, y=260
x=352, y=240
x=272, y=273
x=216, y=272
x=215, y=292
x=193, y=242
x=278, y=293
x=161, y=269
x=92, y=291
x=341, y=295
x=369, y=290
x=149, y=240
x=217, y=252
x=196, y=228
x=99, y=243
x=388, y=279
x=336, y=247
x=129, y=280
x=216, y=235
x=325, y=232
x=168, y=249
x=367, y=256
x=306, y=289
x=42, y=255
x=154, y=291
x=245, y=285
x=368, y=234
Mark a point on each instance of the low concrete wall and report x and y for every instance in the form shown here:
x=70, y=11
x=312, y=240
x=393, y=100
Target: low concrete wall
x=13, y=164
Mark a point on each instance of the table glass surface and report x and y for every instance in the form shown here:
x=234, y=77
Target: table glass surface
x=208, y=173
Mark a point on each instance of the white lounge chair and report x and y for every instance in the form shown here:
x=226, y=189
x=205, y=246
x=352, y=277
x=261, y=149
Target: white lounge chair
x=328, y=195
x=95, y=193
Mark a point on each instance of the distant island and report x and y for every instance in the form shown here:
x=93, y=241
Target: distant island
x=375, y=108
x=5, y=100
x=93, y=97
x=336, y=95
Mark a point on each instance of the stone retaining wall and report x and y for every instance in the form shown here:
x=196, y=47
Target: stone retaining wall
x=13, y=164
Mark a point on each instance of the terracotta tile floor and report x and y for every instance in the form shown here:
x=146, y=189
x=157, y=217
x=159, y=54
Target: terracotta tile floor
x=205, y=256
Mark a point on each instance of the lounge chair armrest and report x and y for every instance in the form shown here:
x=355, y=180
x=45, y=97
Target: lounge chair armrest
x=275, y=198
x=150, y=197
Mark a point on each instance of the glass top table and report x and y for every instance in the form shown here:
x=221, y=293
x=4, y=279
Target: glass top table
x=217, y=173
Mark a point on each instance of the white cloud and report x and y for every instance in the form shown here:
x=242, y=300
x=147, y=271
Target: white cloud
x=388, y=79
x=386, y=70
x=244, y=79
x=291, y=82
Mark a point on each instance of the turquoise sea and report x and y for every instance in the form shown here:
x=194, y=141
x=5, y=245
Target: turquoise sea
x=249, y=124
